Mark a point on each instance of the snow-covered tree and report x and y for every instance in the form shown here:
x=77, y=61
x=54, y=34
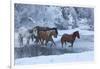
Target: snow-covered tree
x=29, y=15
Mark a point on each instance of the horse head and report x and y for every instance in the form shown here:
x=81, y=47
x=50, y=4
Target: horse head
x=53, y=33
x=56, y=31
x=35, y=32
x=76, y=33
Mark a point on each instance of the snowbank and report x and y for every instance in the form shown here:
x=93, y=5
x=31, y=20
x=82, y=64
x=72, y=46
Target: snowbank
x=74, y=57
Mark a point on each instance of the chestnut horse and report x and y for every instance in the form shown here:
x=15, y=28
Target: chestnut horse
x=47, y=36
x=45, y=29
x=69, y=38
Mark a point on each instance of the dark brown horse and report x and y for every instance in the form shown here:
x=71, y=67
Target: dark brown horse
x=69, y=38
x=47, y=36
x=39, y=28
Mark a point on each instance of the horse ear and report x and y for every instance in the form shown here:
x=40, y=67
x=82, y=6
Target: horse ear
x=77, y=31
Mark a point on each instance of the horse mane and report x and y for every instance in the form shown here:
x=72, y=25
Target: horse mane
x=76, y=32
x=55, y=30
x=39, y=28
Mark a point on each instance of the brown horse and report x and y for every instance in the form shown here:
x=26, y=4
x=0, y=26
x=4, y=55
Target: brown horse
x=43, y=29
x=47, y=36
x=69, y=38
x=39, y=28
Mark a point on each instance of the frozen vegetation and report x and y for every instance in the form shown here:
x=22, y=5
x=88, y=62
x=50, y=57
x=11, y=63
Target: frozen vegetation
x=62, y=17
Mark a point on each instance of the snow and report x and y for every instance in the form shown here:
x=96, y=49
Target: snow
x=76, y=57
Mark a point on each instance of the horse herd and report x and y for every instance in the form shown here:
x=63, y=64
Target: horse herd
x=43, y=35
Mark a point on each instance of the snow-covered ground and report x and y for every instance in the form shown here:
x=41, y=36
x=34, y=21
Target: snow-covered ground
x=83, y=50
x=75, y=57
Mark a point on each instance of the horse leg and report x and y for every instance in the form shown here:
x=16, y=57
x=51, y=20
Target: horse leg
x=62, y=44
x=71, y=44
x=36, y=39
x=20, y=39
x=41, y=41
x=52, y=42
x=21, y=42
x=65, y=42
x=28, y=40
x=46, y=42
x=31, y=37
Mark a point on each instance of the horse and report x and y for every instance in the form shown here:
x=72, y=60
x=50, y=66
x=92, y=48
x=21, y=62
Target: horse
x=69, y=38
x=52, y=33
x=39, y=28
x=47, y=36
x=26, y=34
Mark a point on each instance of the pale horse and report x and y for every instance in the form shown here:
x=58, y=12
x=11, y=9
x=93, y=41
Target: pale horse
x=25, y=35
